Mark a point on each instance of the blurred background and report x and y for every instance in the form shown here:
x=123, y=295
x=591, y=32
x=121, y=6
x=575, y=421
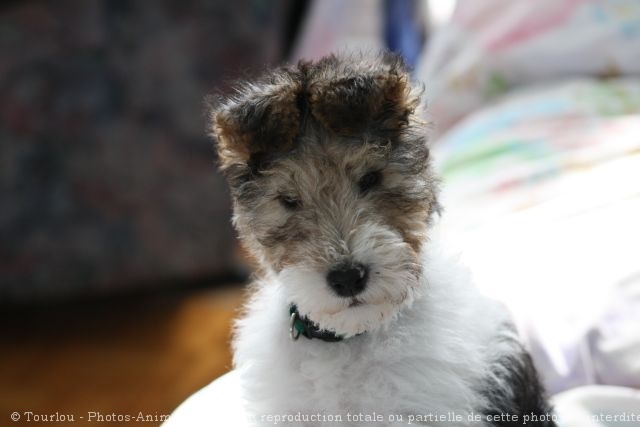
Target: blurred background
x=119, y=269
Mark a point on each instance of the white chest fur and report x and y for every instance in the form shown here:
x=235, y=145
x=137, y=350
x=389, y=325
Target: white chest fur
x=431, y=361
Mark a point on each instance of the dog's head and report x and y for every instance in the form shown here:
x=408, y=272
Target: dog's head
x=329, y=172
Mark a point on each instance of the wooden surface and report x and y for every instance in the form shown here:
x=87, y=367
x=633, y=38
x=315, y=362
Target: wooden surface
x=123, y=358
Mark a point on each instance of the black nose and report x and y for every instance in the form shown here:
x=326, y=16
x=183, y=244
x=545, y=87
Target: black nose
x=348, y=280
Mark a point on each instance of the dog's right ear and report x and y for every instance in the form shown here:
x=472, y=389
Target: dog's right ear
x=261, y=118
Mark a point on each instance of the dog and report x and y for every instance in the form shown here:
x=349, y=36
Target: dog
x=357, y=315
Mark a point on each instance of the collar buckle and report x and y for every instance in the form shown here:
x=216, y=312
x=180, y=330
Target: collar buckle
x=294, y=333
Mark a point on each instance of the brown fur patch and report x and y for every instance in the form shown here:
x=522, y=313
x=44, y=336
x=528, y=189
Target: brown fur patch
x=260, y=120
x=351, y=100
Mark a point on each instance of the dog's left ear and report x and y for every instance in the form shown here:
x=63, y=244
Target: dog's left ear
x=380, y=99
x=261, y=118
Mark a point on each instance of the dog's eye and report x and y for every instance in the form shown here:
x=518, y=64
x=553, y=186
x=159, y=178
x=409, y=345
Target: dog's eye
x=290, y=203
x=369, y=181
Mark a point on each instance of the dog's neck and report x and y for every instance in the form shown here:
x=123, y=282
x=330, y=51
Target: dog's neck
x=301, y=325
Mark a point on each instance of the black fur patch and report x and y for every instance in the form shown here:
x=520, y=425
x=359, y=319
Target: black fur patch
x=515, y=389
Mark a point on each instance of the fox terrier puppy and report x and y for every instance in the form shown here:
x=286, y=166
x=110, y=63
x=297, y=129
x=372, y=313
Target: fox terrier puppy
x=357, y=317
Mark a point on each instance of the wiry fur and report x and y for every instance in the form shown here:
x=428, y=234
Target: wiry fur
x=297, y=147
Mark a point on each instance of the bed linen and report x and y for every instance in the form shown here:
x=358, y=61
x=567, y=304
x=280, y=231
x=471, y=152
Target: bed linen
x=542, y=191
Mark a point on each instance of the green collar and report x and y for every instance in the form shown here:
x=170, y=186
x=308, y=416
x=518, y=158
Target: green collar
x=300, y=325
